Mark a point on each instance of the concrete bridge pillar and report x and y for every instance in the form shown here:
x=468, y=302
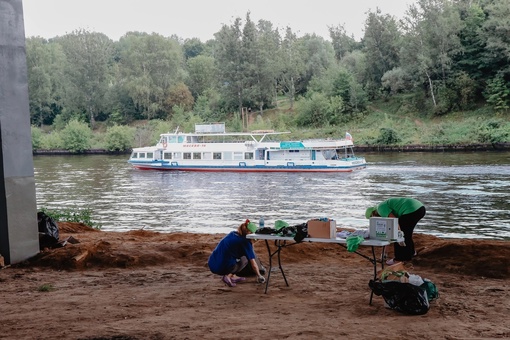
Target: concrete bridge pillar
x=19, y=238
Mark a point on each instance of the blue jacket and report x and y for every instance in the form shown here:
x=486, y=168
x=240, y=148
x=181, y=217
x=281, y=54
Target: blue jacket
x=231, y=248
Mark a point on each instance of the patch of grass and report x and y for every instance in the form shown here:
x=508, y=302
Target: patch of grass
x=72, y=215
x=47, y=287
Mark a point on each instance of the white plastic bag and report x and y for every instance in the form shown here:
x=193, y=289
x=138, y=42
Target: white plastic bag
x=415, y=280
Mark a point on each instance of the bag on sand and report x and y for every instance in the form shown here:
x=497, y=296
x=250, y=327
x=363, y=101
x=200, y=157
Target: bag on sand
x=431, y=289
x=48, y=231
x=402, y=297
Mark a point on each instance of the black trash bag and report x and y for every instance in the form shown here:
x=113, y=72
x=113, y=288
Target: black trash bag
x=266, y=231
x=402, y=297
x=301, y=232
x=48, y=231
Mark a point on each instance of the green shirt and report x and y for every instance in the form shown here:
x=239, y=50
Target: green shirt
x=398, y=206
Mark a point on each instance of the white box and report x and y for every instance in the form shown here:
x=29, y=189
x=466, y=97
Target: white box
x=384, y=228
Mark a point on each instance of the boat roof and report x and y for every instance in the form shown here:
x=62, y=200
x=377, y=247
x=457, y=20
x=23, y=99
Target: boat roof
x=252, y=133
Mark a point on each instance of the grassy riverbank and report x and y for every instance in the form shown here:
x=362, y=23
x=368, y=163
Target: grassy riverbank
x=385, y=126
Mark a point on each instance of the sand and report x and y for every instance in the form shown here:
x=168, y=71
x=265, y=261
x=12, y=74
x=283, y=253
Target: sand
x=148, y=285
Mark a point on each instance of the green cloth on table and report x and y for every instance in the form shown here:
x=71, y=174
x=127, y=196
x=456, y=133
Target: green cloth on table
x=353, y=242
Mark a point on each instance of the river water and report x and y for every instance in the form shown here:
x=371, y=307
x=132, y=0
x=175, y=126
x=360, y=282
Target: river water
x=467, y=194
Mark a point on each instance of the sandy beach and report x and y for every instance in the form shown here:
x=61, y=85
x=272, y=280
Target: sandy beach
x=148, y=285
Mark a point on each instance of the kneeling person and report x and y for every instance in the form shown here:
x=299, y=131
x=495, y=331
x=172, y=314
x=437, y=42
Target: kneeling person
x=232, y=254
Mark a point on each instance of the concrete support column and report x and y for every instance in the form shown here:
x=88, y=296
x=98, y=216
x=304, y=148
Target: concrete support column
x=19, y=238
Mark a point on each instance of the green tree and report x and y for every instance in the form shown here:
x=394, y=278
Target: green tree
x=381, y=46
x=201, y=74
x=317, y=55
x=179, y=95
x=45, y=64
x=431, y=40
x=264, y=66
x=497, y=32
x=149, y=66
x=192, y=48
x=472, y=60
x=88, y=72
x=497, y=93
x=290, y=66
x=229, y=62
x=342, y=43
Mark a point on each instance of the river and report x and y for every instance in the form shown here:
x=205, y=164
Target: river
x=467, y=194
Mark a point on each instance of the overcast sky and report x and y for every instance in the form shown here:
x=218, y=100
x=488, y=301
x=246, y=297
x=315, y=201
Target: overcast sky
x=198, y=19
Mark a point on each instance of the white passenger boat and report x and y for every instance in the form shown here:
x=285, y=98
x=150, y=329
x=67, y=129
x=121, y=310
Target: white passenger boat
x=211, y=148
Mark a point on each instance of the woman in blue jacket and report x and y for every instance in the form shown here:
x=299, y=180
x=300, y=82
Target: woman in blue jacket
x=233, y=253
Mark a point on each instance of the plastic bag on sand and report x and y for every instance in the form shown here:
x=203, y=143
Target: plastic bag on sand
x=402, y=297
x=48, y=230
x=415, y=279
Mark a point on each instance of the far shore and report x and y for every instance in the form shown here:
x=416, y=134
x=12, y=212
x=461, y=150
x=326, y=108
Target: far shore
x=359, y=148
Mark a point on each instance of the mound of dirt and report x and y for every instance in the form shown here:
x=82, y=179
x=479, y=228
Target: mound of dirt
x=140, y=248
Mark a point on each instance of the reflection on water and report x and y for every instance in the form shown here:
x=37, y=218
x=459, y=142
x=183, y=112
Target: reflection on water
x=466, y=194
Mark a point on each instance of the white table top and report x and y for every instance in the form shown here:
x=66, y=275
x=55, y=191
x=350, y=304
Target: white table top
x=366, y=242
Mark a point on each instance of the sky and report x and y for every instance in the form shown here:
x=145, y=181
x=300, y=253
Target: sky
x=199, y=18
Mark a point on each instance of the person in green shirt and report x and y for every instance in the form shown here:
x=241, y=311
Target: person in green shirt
x=409, y=212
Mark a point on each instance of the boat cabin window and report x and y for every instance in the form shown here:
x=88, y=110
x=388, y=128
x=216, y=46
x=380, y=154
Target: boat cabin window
x=177, y=155
x=207, y=155
x=248, y=155
x=197, y=155
x=227, y=156
x=167, y=155
x=186, y=155
x=141, y=155
x=150, y=155
x=192, y=139
x=238, y=156
x=173, y=139
x=329, y=154
x=134, y=155
x=216, y=155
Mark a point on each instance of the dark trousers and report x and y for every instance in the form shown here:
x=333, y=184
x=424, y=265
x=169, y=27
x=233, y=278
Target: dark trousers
x=407, y=224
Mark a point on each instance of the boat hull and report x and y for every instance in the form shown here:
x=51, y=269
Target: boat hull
x=307, y=168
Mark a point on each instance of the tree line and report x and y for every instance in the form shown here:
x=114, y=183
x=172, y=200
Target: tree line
x=443, y=56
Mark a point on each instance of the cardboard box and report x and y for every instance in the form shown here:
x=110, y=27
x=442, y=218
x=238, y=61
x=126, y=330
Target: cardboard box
x=320, y=229
x=383, y=228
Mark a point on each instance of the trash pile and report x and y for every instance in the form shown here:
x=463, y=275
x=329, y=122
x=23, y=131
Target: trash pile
x=49, y=234
x=404, y=292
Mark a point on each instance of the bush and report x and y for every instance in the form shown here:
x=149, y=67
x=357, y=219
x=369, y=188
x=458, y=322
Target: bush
x=37, y=136
x=315, y=111
x=494, y=131
x=119, y=138
x=387, y=136
x=52, y=141
x=76, y=136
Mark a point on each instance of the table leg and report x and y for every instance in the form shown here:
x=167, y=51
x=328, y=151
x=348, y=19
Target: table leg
x=279, y=247
x=270, y=265
x=280, y=264
x=375, y=273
